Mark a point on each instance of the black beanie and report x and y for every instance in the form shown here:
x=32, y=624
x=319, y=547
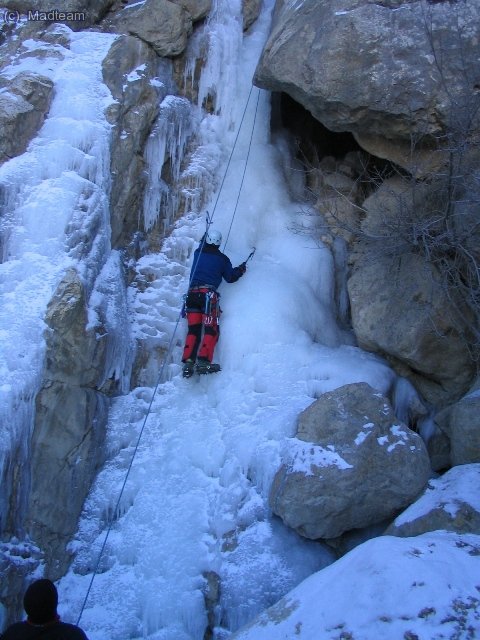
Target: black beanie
x=40, y=601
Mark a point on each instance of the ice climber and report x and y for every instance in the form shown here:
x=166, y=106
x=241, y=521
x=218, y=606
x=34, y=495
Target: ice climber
x=202, y=307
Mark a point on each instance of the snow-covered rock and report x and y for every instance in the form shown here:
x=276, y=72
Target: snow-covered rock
x=24, y=102
x=163, y=24
x=450, y=502
x=130, y=70
x=402, y=589
x=351, y=465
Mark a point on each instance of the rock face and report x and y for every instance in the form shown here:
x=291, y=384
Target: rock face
x=351, y=465
x=130, y=70
x=163, y=24
x=67, y=440
x=402, y=77
x=399, y=309
x=374, y=67
x=24, y=104
x=450, y=503
x=198, y=9
x=461, y=423
x=251, y=11
x=69, y=425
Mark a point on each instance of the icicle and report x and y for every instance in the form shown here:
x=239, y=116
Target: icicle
x=411, y=410
x=427, y=428
x=108, y=305
x=167, y=143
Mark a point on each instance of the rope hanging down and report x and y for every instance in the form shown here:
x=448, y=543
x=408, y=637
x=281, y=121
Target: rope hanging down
x=172, y=339
x=244, y=168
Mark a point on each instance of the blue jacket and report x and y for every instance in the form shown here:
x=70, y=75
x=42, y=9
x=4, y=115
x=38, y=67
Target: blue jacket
x=210, y=266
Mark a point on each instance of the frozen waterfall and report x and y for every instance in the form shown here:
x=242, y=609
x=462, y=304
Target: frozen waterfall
x=192, y=544
x=194, y=511
x=54, y=215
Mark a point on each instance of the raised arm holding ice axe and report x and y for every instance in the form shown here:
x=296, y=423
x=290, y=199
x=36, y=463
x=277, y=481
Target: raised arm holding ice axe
x=202, y=307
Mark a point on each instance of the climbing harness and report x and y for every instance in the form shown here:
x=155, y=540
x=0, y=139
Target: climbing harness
x=172, y=339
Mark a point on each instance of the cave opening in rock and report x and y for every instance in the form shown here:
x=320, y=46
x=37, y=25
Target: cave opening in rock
x=314, y=140
x=315, y=146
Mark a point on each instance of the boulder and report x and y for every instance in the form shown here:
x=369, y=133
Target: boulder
x=449, y=503
x=388, y=587
x=251, y=11
x=198, y=9
x=163, y=24
x=399, y=309
x=384, y=69
x=24, y=103
x=438, y=447
x=351, y=465
x=461, y=423
x=130, y=70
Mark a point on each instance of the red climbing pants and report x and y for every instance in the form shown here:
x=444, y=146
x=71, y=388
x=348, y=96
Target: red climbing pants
x=203, y=312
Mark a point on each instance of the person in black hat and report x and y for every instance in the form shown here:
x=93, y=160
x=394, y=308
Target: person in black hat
x=40, y=604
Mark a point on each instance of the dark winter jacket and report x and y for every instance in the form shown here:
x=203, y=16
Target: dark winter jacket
x=211, y=265
x=55, y=631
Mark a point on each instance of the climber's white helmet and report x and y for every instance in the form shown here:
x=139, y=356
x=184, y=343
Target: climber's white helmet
x=214, y=237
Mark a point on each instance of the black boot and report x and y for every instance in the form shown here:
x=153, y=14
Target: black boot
x=188, y=368
x=204, y=366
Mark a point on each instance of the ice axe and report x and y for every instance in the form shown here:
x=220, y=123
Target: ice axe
x=252, y=253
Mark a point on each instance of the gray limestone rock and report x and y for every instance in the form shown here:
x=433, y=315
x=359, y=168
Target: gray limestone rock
x=130, y=70
x=24, y=104
x=198, y=9
x=399, y=309
x=376, y=68
x=74, y=355
x=66, y=453
x=450, y=503
x=351, y=465
x=163, y=24
x=69, y=427
x=251, y=11
x=461, y=423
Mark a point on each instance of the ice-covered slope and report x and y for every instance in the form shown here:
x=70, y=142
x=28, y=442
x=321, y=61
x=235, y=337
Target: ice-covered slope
x=54, y=215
